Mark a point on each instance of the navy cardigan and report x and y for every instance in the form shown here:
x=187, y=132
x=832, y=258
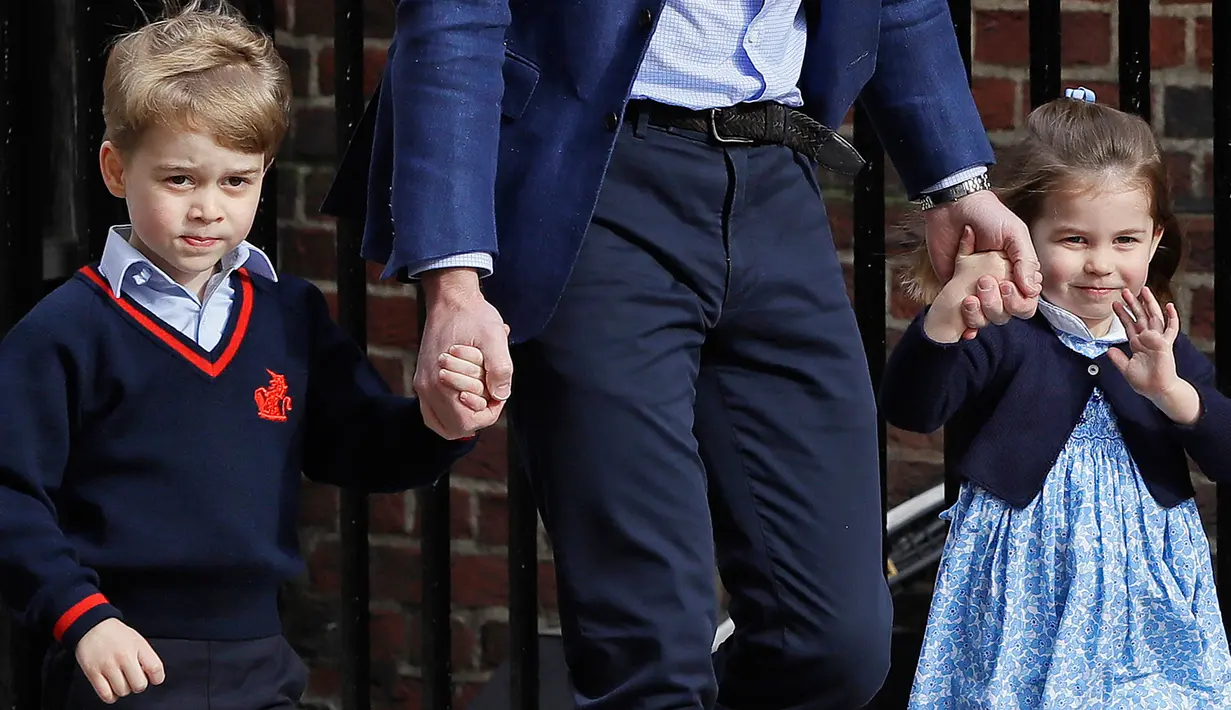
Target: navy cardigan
x=1022, y=391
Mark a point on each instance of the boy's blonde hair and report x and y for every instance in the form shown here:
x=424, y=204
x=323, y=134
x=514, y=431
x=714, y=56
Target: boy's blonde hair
x=202, y=69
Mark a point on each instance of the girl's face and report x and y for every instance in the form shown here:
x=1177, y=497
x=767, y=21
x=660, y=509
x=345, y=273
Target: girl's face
x=1093, y=243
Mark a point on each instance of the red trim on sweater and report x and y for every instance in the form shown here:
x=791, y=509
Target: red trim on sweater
x=213, y=369
x=71, y=616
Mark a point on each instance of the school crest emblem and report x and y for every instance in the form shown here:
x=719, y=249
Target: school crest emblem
x=272, y=401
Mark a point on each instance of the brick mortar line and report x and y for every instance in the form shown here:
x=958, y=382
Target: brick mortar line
x=297, y=40
x=1021, y=5
x=316, y=101
x=1156, y=9
x=543, y=554
x=290, y=15
x=1193, y=11
x=378, y=290
x=1187, y=76
x=414, y=543
x=469, y=677
x=1196, y=166
x=913, y=455
x=470, y=484
x=386, y=606
x=386, y=351
x=321, y=225
x=1184, y=298
x=1190, y=42
x=1197, y=146
x=311, y=43
x=298, y=174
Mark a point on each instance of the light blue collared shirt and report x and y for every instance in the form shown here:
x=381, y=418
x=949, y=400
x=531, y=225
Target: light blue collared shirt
x=718, y=53
x=131, y=273
x=1066, y=322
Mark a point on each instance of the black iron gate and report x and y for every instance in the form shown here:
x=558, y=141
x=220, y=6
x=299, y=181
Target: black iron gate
x=34, y=56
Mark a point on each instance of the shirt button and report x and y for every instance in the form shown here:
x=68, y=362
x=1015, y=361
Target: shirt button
x=1093, y=369
x=612, y=121
x=645, y=19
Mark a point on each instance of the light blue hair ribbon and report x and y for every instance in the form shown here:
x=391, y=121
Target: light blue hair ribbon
x=1081, y=93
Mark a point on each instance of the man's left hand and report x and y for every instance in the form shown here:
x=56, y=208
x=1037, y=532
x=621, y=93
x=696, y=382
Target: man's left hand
x=996, y=228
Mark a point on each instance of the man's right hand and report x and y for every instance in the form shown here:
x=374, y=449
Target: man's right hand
x=457, y=314
x=118, y=661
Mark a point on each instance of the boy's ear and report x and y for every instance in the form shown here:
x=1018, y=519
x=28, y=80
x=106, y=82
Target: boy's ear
x=111, y=165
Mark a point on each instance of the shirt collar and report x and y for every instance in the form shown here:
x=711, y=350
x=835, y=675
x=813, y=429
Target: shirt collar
x=1066, y=322
x=119, y=257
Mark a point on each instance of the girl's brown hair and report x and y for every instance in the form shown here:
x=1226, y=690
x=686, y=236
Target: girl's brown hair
x=1068, y=145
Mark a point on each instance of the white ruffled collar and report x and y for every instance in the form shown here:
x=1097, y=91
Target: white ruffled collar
x=1066, y=322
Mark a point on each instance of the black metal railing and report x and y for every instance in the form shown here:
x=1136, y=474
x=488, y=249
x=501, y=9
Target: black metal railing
x=24, y=58
x=956, y=432
x=352, y=315
x=1221, y=26
x=26, y=140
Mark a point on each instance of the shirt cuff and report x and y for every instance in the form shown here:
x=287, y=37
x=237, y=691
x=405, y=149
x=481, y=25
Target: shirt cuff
x=479, y=260
x=955, y=178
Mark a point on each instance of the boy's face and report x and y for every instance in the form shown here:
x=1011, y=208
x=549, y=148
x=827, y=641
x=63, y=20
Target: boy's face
x=190, y=200
x=1091, y=245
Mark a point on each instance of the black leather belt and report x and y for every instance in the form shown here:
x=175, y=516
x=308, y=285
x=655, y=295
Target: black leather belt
x=764, y=123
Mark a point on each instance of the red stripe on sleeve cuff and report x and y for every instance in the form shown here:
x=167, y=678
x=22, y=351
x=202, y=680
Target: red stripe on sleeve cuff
x=72, y=615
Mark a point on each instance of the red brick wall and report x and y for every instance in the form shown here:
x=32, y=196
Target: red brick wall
x=1182, y=108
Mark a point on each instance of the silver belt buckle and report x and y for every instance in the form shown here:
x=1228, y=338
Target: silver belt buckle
x=727, y=140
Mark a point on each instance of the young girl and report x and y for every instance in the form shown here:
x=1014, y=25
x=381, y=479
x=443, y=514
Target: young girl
x=1076, y=573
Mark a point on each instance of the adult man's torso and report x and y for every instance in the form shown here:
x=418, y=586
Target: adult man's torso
x=568, y=71
x=571, y=67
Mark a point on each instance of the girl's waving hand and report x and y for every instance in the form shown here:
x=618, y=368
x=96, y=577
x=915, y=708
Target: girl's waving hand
x=1151, y=370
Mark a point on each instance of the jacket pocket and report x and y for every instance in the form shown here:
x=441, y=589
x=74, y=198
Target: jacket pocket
x=520, y=78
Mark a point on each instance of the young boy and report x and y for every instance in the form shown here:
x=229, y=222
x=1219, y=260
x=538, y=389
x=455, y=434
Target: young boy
x=159, y=408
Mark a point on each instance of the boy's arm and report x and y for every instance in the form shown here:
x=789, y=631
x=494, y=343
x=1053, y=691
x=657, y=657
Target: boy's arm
x=359, y=434
x=925, y=382
x=1207, y=440
x=41, y=577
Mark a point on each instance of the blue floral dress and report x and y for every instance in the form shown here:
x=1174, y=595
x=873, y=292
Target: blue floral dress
x=1092, y=596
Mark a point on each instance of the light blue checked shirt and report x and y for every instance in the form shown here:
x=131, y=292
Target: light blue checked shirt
x=717, y=53
x=713, y=54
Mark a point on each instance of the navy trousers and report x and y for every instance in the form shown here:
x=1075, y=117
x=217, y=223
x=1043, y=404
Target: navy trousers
x=701, y=397
x=259, y=674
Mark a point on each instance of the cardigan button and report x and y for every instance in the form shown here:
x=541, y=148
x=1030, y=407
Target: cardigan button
x=1093, y=369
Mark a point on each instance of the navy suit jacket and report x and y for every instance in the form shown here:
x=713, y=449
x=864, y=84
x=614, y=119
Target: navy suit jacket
x=495, y=118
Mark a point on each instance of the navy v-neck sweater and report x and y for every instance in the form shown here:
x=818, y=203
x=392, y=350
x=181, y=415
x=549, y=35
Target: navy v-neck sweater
x=1022, y=392
x=144, y=478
